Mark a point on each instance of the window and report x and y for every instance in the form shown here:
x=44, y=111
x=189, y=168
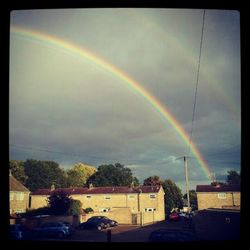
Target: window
x=222, y=195
x=150, y=209
x=19, y=196
x=88, y=196
x=20, y=211
x=152, y=196
x=11, y=196
x=104, y=209
x=107, y=197
x=131, y=196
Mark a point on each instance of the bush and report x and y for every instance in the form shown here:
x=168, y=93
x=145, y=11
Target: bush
x=75, y=207
x=88, y=210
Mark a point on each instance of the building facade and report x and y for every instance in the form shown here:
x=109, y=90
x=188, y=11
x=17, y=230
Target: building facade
x=127, y=205
x=220, y=196
x=19, y=196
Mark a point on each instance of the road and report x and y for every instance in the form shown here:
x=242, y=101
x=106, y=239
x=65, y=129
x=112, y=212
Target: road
x=128, y=233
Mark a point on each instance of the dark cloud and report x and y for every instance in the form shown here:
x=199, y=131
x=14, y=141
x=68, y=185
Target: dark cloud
x=77, y=111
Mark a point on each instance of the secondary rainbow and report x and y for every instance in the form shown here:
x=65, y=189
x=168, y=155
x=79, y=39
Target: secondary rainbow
x=54, y=41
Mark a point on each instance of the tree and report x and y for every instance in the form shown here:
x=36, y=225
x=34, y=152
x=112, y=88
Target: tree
x=173, y=195
x=112, y=175
x=42, y=174
x=153, y=181
x=79, y=174
x=17, y=170
x=192, y=198
x=233, y=177
x=59, y=203
x=75, y=207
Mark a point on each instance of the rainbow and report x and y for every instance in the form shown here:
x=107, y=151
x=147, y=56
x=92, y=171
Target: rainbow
x=192, y=59
x=135, y=86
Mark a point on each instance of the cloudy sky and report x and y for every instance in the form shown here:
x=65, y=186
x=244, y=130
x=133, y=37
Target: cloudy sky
x=66, y=108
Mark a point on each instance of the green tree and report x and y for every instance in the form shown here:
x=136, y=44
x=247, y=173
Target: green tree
x=75, y=207
x=193, y=199
x=42, y=174
x=59, y=203
x=152, y=181
x=112, y=175
x=173, y=195
x=233, y=177
x=17, y=170
x=79, y=174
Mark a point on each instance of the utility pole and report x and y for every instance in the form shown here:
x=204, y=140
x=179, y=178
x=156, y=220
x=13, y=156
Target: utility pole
x=187, y=183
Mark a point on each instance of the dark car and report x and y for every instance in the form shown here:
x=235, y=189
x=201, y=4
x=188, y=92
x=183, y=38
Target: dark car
x=94, y=222
x=163, y=235
x=110, y=223
x=174, y=216
x=20, y=232
x=16, y=232
x=52, y=229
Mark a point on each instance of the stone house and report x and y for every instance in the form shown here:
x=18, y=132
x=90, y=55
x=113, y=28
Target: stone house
x=19, y=196
x=219, y=196
x=127, y=205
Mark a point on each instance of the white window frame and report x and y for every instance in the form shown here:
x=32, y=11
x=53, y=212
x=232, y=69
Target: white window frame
x=20, y=211
x=222, y=195
x=152, y=196
x=11, y=196
x=19, y=196
x=132, y=197
x=149, y=209
x=104, y=209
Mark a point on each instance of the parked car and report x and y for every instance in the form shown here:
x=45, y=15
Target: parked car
x=20, y=232
x=111, y=223
x=70, y=227
x=164, y=235
x=186, y=216
x=53, y=229
x=16, y=232
x=174, y=216
x=94, y=222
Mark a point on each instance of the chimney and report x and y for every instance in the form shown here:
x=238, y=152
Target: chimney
x=217, y=184
x=52, y=188
x=90, y=186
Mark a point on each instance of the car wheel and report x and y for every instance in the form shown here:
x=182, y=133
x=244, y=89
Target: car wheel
x=60, y=235
x=99, y=227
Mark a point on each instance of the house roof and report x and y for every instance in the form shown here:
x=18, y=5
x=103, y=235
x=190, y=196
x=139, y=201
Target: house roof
x=15, y=185
x=220, y=188
x=101, y=190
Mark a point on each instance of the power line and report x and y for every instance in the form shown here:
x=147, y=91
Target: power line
x=197, y=81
